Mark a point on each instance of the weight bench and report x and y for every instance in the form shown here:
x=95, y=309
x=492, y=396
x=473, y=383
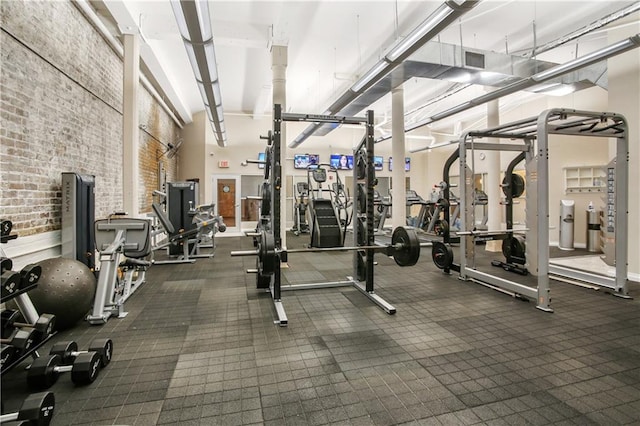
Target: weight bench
x=185, y=238
x=115, y=238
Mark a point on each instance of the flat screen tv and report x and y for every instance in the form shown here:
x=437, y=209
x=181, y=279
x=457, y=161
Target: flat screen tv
x=261, y=157
x=377, y=162
x=302, y=161
x=407, y=164
x=341, y=161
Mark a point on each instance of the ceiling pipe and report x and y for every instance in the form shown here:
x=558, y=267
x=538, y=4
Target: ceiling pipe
x=541, y=77
x=441, y=18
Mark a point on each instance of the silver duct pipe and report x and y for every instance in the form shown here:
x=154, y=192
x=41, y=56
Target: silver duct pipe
x=541, y=77
x=441, y=18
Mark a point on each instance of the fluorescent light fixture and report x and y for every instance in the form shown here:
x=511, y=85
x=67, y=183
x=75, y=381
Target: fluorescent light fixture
x=194, y=23
x=588, y=59
x=427, y=25
x=371, y=76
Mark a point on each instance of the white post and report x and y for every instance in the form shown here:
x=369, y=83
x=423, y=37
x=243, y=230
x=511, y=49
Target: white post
x=399, y=204
x=492, y=185
x=130, y=181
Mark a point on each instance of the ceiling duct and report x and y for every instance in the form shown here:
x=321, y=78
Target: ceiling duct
x=548, y=75
x=441, y=18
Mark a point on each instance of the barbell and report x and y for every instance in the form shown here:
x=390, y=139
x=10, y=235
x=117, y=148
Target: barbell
x=404, y=248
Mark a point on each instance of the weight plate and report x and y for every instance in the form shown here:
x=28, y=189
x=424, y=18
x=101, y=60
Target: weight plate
x=104, y=348
x=42, y=374
x=514, y=246
x=362, y=198
x=266, y=254
x=64, y=350
x=86, y=368
x=409, y=252
x=362, y=232
x=265, y=205
x=361, y=166
x=442, y=255
x=441, y=227
x=517, y=185
x=268, y=155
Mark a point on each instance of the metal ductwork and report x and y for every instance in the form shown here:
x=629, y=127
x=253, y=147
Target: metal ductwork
x=441, y=61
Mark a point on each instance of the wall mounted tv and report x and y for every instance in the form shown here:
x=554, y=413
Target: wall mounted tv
x=407, y=164
x=341, y=161
x=377, y=162
x=261, y=157
x=302, y=161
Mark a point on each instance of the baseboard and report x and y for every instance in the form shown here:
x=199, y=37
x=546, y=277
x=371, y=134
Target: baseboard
x=33, y=248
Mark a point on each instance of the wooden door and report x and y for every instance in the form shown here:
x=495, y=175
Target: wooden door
x=226, y=189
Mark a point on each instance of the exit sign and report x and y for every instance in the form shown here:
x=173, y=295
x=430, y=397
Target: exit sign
x=223, y=164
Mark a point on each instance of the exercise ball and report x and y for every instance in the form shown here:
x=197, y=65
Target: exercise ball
x=66, y=289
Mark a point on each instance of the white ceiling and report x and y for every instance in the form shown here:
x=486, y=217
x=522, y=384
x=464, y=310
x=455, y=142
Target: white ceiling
x=331, y=43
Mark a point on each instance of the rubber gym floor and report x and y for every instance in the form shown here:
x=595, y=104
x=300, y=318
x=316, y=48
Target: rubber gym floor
x=200, y=347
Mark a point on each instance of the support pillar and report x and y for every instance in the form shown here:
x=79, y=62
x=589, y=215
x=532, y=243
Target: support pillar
x=492, y=184
x=399, y=205
x=279, y=73
x=130, y=179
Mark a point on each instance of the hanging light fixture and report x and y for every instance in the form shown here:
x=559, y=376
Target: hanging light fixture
x=194, y=23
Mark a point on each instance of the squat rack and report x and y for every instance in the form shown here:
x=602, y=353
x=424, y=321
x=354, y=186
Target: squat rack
x=362, y=270
x=567, y=122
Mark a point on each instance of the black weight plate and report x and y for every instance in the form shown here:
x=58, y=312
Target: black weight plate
x=517, y=185
x=362, y=232
x=265, y=205
x=30, y=274
x=266, y=253
x=442, y=255
x=5, y=264
x=362, y=198
x=268, y=155
x=514, y=246
x=361, y=166
x=409, y=253
x=441, y=227
x=38, y=408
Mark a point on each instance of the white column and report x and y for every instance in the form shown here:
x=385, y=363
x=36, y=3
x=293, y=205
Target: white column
x=279, y=71
x=130, y=180
x=492, y=185
x=399, y=204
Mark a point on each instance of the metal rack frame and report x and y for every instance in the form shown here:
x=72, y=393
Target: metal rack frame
x=534, y=133
x=276, y=287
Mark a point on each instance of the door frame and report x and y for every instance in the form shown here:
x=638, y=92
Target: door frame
x=214, y=184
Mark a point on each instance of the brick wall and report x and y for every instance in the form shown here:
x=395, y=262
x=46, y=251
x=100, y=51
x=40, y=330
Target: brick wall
x=61, y=110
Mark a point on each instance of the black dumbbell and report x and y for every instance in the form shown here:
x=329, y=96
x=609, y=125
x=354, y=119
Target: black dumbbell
x=7, y=354
x=30, y=274
x=37, y=409
x=68, y=351
x=44, y=371
x=5, y=264
x=43, y=326
x=22, y=340
x=11, y=282
x=5, y=227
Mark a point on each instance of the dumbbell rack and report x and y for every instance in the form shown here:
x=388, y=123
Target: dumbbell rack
x=24, y=303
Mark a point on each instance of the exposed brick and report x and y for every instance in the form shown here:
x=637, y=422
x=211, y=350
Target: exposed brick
x=64, y=113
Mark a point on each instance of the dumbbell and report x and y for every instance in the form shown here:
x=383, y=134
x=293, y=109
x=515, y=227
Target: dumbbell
x=44, y=371
x=5, y=227
x=68, y=351
x=11, y=282
x=7, y=354
x=30, y=274
x=43, y=326
x=22, y=340
x=5, y=264
x=37, y=409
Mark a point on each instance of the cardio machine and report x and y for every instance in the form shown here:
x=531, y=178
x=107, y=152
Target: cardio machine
x=324, y=218
x=301, y=195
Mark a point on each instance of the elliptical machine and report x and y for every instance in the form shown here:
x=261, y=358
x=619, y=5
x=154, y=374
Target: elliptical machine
x=300, y=225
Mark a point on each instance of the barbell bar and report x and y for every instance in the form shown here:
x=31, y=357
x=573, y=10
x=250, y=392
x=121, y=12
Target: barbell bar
x=404, y=248
x=491, y=232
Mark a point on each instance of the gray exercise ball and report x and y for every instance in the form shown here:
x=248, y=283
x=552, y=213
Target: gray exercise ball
x=66, y=289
